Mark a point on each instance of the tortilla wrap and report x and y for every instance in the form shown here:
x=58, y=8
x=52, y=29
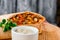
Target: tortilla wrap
x=7, y=35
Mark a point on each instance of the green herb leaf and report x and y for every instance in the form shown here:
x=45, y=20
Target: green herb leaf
x=3, y=25
x=10, y=23
x=7, y=27
x=3, y=21
x=0, y=24
x=14, y=24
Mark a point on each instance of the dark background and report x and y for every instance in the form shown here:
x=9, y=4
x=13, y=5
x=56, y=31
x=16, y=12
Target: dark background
x=58, y=13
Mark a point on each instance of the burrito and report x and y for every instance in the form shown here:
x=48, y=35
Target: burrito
x=20, y=18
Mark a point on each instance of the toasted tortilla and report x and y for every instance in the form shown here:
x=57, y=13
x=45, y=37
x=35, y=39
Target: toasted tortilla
x=7, y=35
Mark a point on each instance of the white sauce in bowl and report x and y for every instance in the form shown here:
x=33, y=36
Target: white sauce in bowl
x=24, y=31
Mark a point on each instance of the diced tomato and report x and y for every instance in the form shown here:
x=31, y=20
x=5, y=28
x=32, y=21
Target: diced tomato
x=19, y=22
x=13, y=19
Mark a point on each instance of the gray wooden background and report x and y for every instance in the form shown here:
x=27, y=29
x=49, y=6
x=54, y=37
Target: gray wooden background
x=45, y=7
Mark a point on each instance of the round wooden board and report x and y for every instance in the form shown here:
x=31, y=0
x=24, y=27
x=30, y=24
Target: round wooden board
x=49, y=35
x=49, y=32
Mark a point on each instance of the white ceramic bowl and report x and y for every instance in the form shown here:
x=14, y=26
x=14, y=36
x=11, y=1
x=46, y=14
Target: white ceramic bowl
x=19, y=36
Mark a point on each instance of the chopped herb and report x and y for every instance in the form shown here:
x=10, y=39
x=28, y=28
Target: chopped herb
x=3, y=25
x=9, y=22
x=14, y=24
x=5, y=29
x=7, y=25
x=0, y=24
x=3, y=21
